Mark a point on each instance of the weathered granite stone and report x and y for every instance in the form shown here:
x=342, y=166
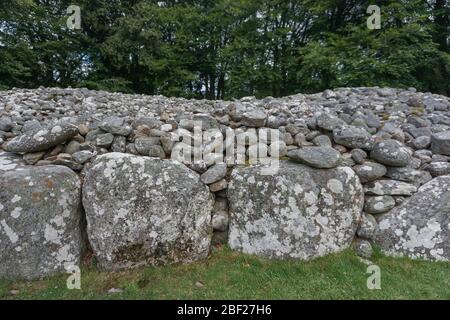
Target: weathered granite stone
x=369, y=171
x=316, y=157
x=352, y=137
x=300, y=212
x=143, y=145
x=437, y=169
x=40, y=220
x=6, y=124
x=116, y=126
x=415, y=177
x=215, y=173
x=82, y=156
x=391, y=153
x=41, y=140
x=378, y=204
x=420, y=227
x=145, y=211
x=329, y=122
x=220, y=221
x=367, y=227
x=440, y=143
x=363, y=248
x=389, y=187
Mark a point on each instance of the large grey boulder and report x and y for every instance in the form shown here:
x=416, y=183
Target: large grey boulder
x=145, y=211
x=300, y=212
x=42, y=139
x=420, y=227
x=40, y=220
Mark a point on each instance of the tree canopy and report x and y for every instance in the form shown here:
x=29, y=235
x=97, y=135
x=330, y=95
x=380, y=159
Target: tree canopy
x=222, y=49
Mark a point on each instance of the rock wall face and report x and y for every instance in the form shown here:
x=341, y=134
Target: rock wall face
x=144, y=211
x=300, y=212
x=157, y=174
x=419, y=227
x=40, y=220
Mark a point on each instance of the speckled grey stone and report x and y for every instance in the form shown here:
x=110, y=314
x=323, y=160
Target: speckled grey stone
x=145, y=211
x=378, y=204
x=300, y=212
x=369, y=171
x=352, y=137
x=440, y=143
x=40, y=220
x=391, y=153
x=420, y=227
x=41, y=139
x=316, y=157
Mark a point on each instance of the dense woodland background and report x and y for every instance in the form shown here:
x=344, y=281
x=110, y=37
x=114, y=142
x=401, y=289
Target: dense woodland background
x=225, y=48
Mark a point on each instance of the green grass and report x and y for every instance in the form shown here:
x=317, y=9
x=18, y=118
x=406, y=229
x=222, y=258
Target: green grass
x=230, y=275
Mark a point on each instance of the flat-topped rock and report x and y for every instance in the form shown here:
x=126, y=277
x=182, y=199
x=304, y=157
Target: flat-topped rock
x=41, y=139
x=316, y=157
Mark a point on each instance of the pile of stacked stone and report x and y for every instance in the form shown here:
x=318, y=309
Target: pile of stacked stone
x=395, y=140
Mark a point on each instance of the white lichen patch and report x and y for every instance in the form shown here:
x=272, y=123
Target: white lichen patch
x=51, y=234
x=16, y=198
x=56, y=129
x=16, y=212
x=335, y=186
x=13, y=237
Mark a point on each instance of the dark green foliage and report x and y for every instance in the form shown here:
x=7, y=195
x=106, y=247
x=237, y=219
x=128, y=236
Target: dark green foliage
x=221, y=49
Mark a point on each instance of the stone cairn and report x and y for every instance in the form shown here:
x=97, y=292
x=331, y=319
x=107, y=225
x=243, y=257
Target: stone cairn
x=88, y=170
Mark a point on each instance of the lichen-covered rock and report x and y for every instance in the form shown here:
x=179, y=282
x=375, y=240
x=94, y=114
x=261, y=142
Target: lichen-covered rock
x=10, y=161
x=437, y=169
x=316, y=157
x=440, y=143
x=363, y=248
x=378, y=204
x=40, y=220
x=415, y=177
x=420, y=227
x=370, y=171
x=300, y=212
x=390, y=188
x=145, y=211
x=352, y=137
x=41, y=139
x=391, y=153
x=367, y=227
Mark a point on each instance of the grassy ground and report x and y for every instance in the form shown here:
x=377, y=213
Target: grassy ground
x=230, y=275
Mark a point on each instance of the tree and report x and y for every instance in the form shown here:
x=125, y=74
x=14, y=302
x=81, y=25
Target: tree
x=222, y=49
